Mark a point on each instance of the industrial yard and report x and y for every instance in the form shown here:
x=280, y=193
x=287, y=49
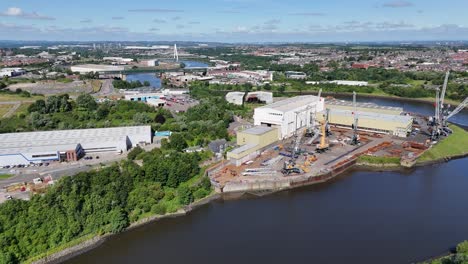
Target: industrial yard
x=305, y=140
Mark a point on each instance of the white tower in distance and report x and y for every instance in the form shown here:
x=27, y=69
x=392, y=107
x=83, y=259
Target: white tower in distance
x=176, y=54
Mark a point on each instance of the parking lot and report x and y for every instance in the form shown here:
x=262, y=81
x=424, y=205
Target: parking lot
x=179, y=103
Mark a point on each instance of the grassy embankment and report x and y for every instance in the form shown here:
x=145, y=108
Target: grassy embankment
x=455, y=144
x=25, y=102
x=379, y=160
x=5, y=176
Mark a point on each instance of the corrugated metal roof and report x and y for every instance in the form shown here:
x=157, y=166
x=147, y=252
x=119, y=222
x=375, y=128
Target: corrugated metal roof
x=362, y=105
x=377, y=116
x=60, y=139
x=291, y=103
x=257, y=130
x=243, y=148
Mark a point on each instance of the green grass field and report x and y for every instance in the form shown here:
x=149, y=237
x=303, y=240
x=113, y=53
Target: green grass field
x=379, y=160
x=15, y=97
x=455, y=144
x=4, y=109
x=5, y=176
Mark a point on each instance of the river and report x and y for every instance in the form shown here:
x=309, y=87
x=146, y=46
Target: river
x=359, y=217
x=155, y=82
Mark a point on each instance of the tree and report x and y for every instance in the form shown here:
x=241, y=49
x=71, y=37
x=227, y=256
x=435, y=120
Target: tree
x=282, y=88
x=141, y=118
x=146, y=83
x=177, y=142
x=160, y=119
x=118, y=220
x=267, y=87
x=86, y=101
x=185, y=195
x=134, y=153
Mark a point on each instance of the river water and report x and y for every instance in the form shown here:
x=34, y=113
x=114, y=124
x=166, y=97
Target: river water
x=359, y=217
x=155, y=82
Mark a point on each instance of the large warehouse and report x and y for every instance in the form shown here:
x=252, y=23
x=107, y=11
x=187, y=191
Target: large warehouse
x=86, y=68
x=397, y=125
x=68, y=145
x=290, y=114
x=366, y=107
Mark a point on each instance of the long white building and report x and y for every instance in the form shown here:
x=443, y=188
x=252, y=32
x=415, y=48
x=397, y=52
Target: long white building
x=68, y=145
x=86, y=68
x=290, y=114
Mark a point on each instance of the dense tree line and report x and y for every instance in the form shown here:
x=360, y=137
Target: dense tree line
x=97, y=202
x=121, y=84
x=61, y=112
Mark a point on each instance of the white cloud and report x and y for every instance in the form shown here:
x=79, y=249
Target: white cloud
x=18, y=12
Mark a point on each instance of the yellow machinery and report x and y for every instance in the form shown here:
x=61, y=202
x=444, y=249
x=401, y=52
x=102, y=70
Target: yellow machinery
x=323, y=145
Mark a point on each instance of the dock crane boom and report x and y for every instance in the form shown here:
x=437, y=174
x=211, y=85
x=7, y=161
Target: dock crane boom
x=458, y=109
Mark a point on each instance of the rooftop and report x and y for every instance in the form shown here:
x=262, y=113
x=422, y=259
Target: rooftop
x=258, y=130
x=243, y=148
x=362, y=105
x=377, y=116
x=291, y=103
x=59, y=139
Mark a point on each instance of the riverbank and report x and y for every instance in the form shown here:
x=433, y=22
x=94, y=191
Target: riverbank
x=89, y=242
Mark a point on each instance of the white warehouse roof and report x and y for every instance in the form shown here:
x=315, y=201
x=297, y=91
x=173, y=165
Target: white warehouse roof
x=48, y=140
x=291, y=103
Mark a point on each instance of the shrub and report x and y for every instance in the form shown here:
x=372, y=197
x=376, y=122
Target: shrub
x=462, y=247
x=159, y=209
x=134, y=153
x=200, y=193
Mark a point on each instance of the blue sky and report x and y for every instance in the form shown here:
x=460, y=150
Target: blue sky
x=234, y=20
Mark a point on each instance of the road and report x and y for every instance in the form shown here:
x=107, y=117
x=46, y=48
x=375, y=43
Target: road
x=107, y=88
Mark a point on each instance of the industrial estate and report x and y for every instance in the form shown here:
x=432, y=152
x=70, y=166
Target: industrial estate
x=170, y=126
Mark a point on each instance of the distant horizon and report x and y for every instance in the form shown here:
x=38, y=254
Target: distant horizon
x=235, y=21
x=258, y=42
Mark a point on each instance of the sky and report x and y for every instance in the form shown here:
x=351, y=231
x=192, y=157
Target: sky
x=234, y=20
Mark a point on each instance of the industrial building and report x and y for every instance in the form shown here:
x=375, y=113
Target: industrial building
x=295, y=75
x=236, y=98
x=290, y=114
x=366, y=107
x=144, y=97
x=252, y=142
x=11, y=72
x=396, y=125
x=341, y=82
x=260, y=97
x=86, y=68
x=68, y=145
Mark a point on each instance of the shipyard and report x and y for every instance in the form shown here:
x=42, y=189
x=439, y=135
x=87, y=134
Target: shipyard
x=310, y=139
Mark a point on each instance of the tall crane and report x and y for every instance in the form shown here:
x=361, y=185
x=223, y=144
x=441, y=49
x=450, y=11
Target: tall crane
x=310, y=129
x=441, y=111
x=356, y=139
